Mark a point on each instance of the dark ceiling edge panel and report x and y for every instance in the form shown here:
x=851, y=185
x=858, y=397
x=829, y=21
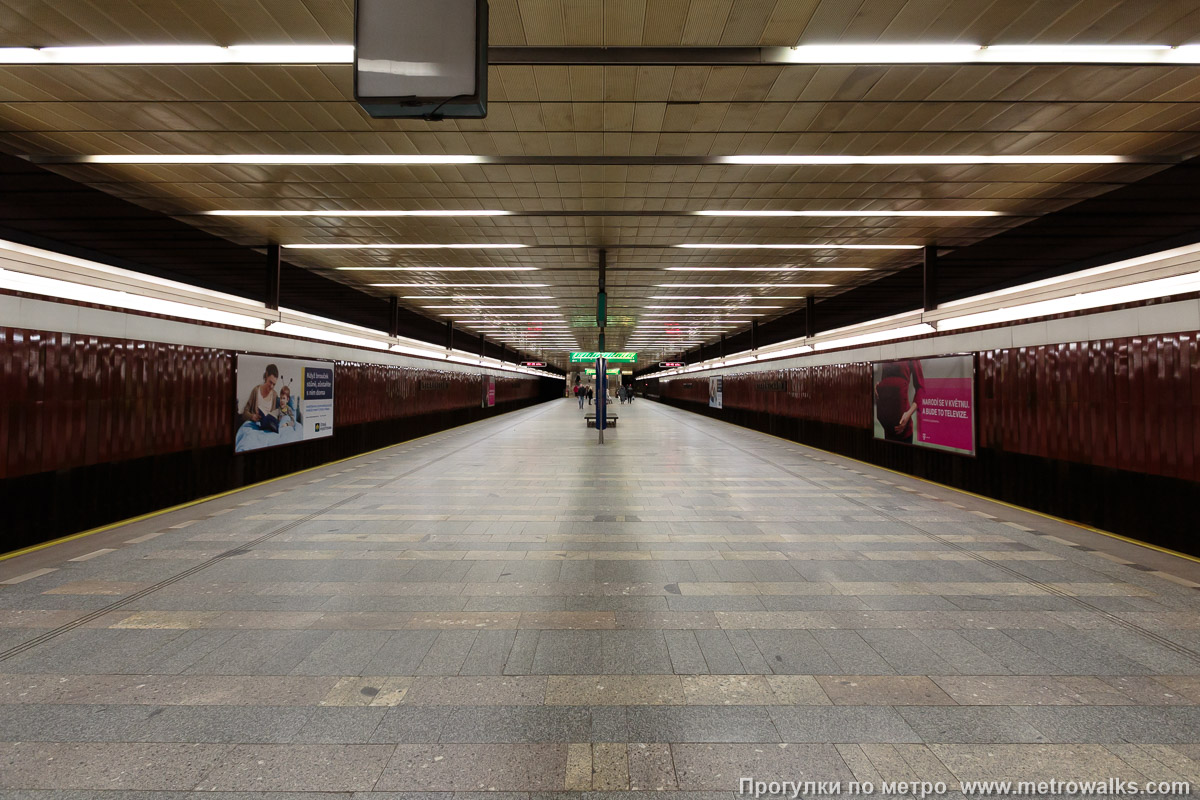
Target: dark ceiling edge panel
x=226, y=267
x=1017, y=254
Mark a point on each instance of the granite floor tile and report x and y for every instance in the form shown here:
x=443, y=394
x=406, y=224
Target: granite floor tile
x=488, y=617
x=848, y=724
x=475, y=767
x=298, y=768
x=971, y=724
x=671, y=724
x=898, y=690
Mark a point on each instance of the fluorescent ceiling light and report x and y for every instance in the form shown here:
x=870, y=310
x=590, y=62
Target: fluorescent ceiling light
x=437, y=269
x=68, y=290
x=433, y=212
x=721, y=297
x=790, y=161
x=945, y=53
x=289, y=329
x=417, y=351
x=335, y=159
x=468, y=321
x=394, y=246
x=462, y=285
x=713, y=314
x=1146, y=290
x=281, y=159
x=876, y=336
x=879, y=53
x=865, y=214
x=870, y=53
x=717, y=246
x=181, y=54
x=767, y=269
x=734, y=308
x=744, y=285
x=467, y=312
x=477, y=297
x=481, y=308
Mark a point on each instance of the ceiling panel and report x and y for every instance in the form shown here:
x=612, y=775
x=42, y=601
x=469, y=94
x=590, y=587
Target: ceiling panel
x=560, y=118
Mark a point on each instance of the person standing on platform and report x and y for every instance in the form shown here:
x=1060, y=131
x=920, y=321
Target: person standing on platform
x=579, y=394
x=590, y=393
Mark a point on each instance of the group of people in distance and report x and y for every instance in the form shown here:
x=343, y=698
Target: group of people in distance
x=585, y=392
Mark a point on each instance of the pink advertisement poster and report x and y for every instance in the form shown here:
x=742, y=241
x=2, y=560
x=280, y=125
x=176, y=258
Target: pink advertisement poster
x=929, y=402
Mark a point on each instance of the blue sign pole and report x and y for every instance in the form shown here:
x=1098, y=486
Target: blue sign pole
x=601, y=397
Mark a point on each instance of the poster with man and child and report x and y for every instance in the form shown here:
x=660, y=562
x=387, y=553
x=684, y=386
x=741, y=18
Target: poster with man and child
x=281, y=401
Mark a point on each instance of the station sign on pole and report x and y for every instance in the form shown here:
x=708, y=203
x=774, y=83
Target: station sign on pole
x=533, y=363
x=618, y=358
x=671, y=364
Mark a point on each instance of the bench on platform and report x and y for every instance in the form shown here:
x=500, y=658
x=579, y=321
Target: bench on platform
x=610, y=420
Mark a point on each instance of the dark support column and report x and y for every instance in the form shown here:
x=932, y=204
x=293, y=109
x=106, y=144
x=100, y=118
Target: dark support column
x=482, y=345
x=274, y=262
x=449, y=334
x=810, y=315
x=722, y=351
x=393, y=316
x=502, y=348
x=753, y=334
x=931, y=287
x=601, y=300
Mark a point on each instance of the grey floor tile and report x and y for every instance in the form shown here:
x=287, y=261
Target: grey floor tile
x=672, y=724
x=842, y=724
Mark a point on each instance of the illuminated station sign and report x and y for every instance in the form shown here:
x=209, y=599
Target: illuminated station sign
x=533, y=363
x=671, y=364
x=630, y=358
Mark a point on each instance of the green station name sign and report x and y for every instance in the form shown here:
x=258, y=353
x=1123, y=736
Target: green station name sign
x=630, y=358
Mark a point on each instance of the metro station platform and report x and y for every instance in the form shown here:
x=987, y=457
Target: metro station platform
x=509, y=607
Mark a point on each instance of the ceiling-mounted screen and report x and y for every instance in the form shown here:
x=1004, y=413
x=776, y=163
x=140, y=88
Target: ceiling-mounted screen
x=421, y=58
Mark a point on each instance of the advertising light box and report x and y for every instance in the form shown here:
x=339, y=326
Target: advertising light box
x=282, y=401
x=927, y=402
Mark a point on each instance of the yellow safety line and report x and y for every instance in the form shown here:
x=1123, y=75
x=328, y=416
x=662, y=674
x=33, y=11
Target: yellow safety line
x=1073, y=524
x=161, y=511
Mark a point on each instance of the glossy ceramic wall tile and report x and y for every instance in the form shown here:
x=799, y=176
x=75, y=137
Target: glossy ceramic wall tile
x=69, y=401
x=1130, y=404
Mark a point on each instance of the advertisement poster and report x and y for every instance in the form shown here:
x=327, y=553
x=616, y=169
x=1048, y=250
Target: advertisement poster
x=281, y=401
x=715, y=393
x=489, y=398
x=929, y=402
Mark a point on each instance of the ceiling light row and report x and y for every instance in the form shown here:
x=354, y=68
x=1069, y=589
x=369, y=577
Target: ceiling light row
x=353, y=213
x=867, y=53
x=409, y=159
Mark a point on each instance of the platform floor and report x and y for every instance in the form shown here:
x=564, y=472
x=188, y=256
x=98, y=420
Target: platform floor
x=509, y=607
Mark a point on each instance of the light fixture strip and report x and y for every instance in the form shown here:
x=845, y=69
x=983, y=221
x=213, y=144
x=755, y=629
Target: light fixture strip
x=398, y=246
x=793, y=246
x=767, y=269
x=437, y=269
x=338, y=159
x=835, y=53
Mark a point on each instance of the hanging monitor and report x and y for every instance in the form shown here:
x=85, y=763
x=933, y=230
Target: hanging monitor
x=424, y=59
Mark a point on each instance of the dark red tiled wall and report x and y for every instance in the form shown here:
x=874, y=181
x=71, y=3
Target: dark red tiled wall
x=69, y=401
x=1129, y=404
